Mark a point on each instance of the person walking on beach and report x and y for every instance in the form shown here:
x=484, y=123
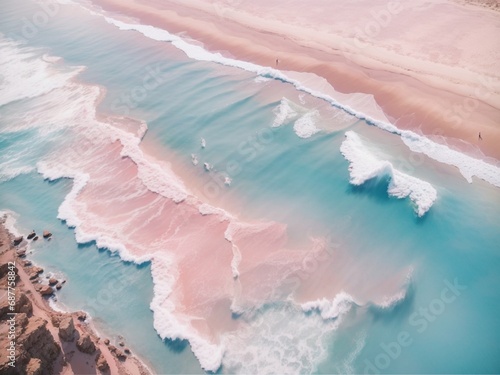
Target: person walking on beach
x=480, y=138
x=277, y=62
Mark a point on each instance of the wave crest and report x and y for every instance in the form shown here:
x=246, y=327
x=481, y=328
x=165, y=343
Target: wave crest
x=364, y=166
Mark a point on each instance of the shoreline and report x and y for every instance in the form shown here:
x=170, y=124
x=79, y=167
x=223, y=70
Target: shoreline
x=431, y=103
x=49, y=341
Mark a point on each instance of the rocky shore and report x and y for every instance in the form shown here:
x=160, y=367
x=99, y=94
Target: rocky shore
x=35, y=339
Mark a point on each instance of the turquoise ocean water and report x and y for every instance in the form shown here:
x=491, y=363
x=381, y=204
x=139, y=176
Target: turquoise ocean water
x=446, y=323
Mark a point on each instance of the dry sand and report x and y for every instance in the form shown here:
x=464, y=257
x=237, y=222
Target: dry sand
x=432, y=67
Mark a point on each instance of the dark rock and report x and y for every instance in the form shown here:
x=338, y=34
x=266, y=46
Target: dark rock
x=106, y=341
x=18, y=240
x=36, y=349
x=52, y=281
x=27, y=263
x=85, y=344
x=56, y=318
x=117, y=352
x=126, y=350
x=31, y=235
x=81, y=316
x=45, y=290
x=101, y=363
x=58, y=286
x=22, y=305
x=67, y=329
x=121, y=343
x=33, y=273
x=47, y=234
x=35, y=238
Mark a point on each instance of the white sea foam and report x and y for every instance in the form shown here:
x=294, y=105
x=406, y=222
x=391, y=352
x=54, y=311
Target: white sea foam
x=468, y=166
x=206, y=209
x=164, y=277
x=278, y=340
x=235, y=262
x=194, y=159
x=365, y=166
x=394, y=300
x=158, y=178
x=340, y=305
x=284, y=113
x=260, y=79
x=391, y=301
x=10, y=221
x=8, y=172
x=57, y=306
x=25, y=75
x=305, y=126
x=347, y=364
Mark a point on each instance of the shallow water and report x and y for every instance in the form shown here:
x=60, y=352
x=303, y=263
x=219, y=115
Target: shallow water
x=374, y=242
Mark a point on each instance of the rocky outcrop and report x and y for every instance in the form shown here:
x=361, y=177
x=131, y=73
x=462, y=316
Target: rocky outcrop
x=23, y=305
x=36, y=349
x=81, y=316
x=47, y=234
x=117, y=353
x=33, y=272
x=31, y=235
x=56, y=318
x=45, y=290
x=18, y=240
x=85, y=344
x=67, y=329
x=52, y=281
x=37, y=327
x=4, y=270
x=101, y=363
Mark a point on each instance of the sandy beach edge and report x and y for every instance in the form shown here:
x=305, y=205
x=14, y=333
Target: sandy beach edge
x=433, y=105
x=45, y=341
